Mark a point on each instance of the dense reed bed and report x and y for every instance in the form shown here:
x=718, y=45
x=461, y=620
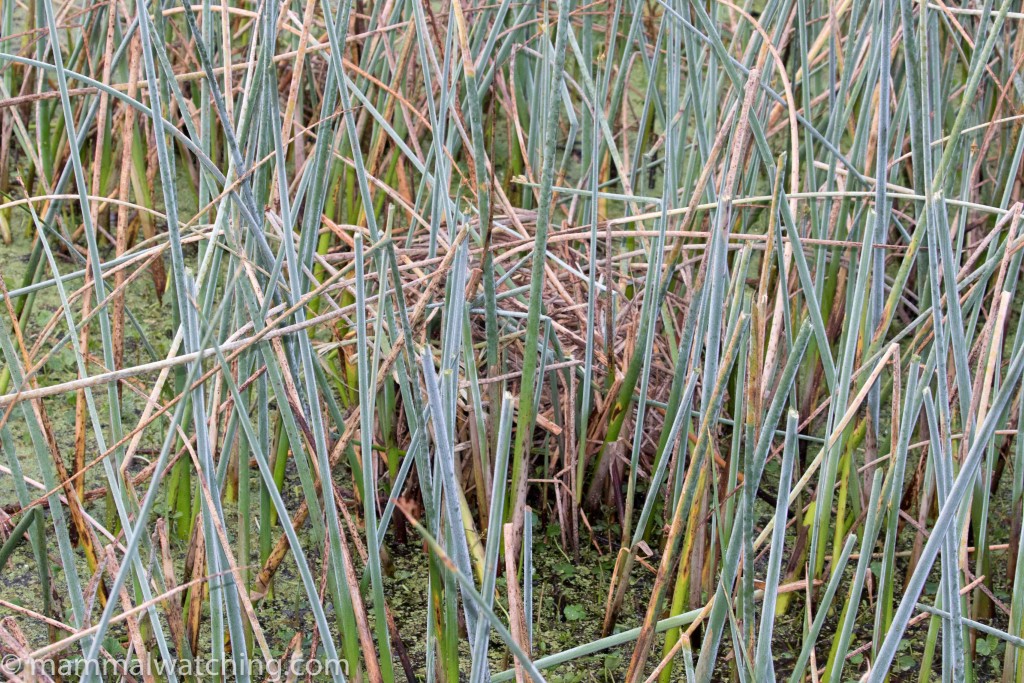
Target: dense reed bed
x=355, y=336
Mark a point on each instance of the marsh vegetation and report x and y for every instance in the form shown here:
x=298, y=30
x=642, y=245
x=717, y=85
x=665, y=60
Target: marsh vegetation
x=489, y=341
